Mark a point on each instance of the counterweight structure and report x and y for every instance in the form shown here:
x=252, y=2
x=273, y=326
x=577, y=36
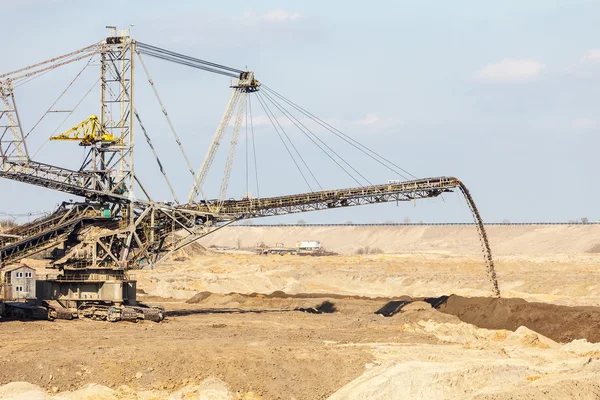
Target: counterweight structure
x=98, y=240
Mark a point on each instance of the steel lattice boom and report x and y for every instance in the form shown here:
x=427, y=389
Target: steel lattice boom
x=327, y=199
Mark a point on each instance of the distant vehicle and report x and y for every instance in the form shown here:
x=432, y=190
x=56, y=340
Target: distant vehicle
x=394, y=182
x=302, y=248
x=308, y=245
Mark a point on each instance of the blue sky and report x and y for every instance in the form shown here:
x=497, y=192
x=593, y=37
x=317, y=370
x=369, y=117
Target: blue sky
x=503, y=95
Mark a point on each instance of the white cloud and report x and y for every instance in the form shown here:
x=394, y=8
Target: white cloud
x=276, y=16
x=374, y=122
x=262, y=120
x=592, y=56
x=196, y=29
x=510, y=71
x=281, y=16
x=584, y=123
x=368, y=119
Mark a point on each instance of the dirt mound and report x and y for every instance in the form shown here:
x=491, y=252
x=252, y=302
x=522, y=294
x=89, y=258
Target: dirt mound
x=199, y=297
x=417, y=306
x=219, y=302
x=189, y=252
x=279, y=294
x=560, y=323
x=595, y=248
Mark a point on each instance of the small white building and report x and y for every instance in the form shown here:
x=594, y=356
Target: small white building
x=18, y=283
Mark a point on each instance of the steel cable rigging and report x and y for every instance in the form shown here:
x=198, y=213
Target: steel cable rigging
x=304, y=129
x=280, y=103
x=272, y=114
x=182, y=59
x=374, y=155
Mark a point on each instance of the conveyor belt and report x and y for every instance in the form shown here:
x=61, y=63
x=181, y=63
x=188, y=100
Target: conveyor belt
x=269, y=206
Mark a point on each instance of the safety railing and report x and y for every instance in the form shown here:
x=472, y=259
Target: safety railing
x=93, y=277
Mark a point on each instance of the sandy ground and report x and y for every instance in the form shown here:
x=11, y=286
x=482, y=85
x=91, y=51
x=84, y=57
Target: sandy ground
x=207, y=351
x=568, y=279
x=231, y=346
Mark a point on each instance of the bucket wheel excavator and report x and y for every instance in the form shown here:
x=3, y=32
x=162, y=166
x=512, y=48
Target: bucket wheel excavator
x=96, y=242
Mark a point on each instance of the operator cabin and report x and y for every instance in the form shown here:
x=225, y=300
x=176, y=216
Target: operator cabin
x=18, y=282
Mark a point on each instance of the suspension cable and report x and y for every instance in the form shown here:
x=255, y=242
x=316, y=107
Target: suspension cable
x=183, y=56
x=286, y=146
x=303, y=127
x=59, y=97
x=290, y=140
x=164, y=110
x=23, y=82
x=359, y=146
x=53, y=66
x=160, y=166
x=188, y=64
x=67, y=117
x=182, y=59
x=52, y=60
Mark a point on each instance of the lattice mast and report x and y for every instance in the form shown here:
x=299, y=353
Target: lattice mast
x=112, y=161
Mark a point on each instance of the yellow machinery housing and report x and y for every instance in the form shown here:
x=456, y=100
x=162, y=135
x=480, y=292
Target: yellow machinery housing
x=88, y=132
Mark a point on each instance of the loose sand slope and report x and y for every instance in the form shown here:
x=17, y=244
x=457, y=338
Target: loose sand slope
x=478, y=364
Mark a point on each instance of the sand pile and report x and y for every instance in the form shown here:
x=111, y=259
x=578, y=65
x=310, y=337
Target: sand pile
x=189, y=252
x=258, y=302
x=560, y=323
x=477, y=363
x=209, y=389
